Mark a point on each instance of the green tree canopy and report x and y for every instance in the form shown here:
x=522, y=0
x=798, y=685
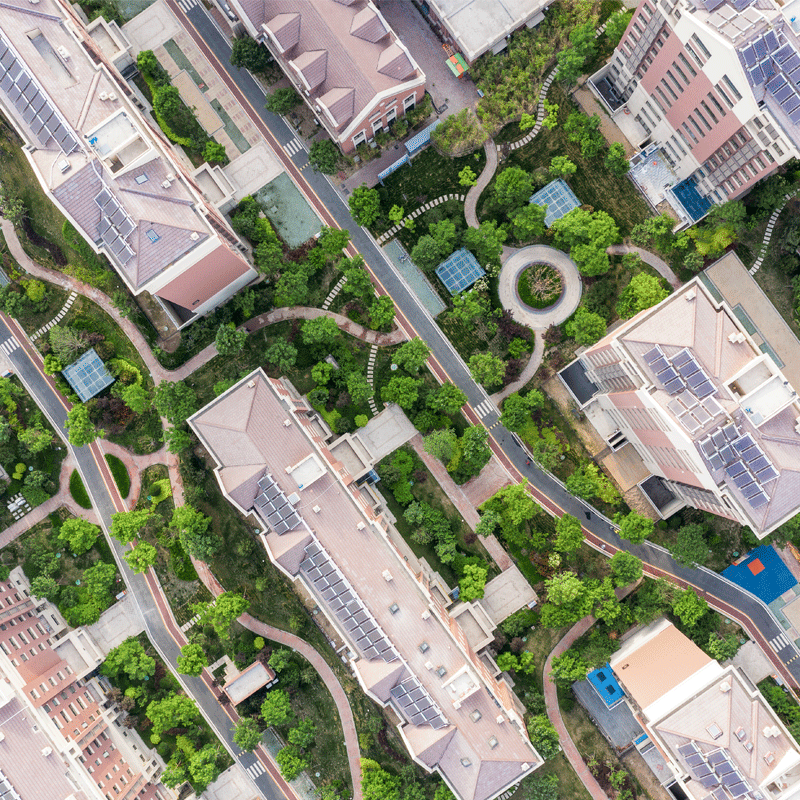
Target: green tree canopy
x=569, y=534
x=282, y=355
x=486, y=242
x=690, y=547
x=473, y=581
x=448, y=399
x=377, y=783
x=528, y=222
x=192, y=659
x=689, y=607
x=321, y=331
x=303, y=734
x=634, y=527
x=136, y=397
x=79, y=535
x=248, y=53
x=324, y=156
x=365, y=205
x=175, y=401
x=129, y=658
x=561, y=167
x=586, y=327
x=487, y=369
x=442, y=444
x=141, y=557
x=229, y=341
x=543, y=736
x=276, y=708
x=517, y=409
x=80, y=429
x=381, y=312
x=568, y=668
x=616, y=161
x=291, y=761
x=247, y=734
x=412, y=355
x=194, y=529
x=174, y=711
x=626, y=568
x=45, y=586
x=402, y=390
x=512, y=188
x=126, y=525
x=282, y=101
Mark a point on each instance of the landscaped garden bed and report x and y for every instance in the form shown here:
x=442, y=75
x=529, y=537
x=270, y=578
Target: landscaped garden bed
x=540, y=286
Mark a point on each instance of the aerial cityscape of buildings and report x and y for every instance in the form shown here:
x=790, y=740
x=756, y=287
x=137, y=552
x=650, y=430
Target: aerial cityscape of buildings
x=694, y=396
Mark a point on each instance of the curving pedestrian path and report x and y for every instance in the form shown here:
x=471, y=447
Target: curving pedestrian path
x=534, y=362
x=554, y=713
x=471, y=202
x=658, y=264
x=540, y=319
x=315, y=659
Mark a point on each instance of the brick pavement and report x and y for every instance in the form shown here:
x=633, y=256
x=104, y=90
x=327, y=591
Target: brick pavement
x=553, y=712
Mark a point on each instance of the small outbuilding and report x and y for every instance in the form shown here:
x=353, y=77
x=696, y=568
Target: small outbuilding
x=558, y=198
x=459, y=271
x=88, y=375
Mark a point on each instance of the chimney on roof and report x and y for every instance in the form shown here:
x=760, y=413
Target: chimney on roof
x=46, y=751
x=737, y=337
x=725, y=687
x=690, y=295
x=426, y=614
x=316, y=509
x=361, y=526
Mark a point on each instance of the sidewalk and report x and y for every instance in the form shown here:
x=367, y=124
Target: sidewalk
x=658, y=264
x=551, y=701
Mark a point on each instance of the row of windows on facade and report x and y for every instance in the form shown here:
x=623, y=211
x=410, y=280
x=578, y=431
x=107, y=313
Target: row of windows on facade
x=377, y=124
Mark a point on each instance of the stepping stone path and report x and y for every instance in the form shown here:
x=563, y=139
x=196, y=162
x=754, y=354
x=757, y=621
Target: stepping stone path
x=768, y=235
x=414, y=214
x=373, y=406
x=66, y=307
x=333, y=292
x=539, y=114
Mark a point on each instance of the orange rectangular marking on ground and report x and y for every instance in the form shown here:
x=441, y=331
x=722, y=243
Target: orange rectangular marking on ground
x=755, y=566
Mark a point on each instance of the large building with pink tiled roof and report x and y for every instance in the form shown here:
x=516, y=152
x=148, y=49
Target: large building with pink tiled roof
x=343, y=58
x=107, y=170
x=702, y=388
x=412, y=650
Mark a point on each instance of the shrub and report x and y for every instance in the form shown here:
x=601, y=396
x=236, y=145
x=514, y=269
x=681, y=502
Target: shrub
x=459, y=134
x=78, y=491
x=120, y=474
x=34, y=495
x=324, y=156
x=160, y=490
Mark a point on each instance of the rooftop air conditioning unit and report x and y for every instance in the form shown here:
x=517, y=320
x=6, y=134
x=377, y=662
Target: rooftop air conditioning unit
x=170, y=177
x=776, y=731
x=387, y=576
x=194, y=236
x=426, y=614
x=767, y=731
x=34, y=2
x=165, y=184
x=112, y=96
x=524, y=766
x=46, y=751
x=428, y=665
x=103, y=95
x=690, y=295
x=2, y=736
x=361, y=526
x=500, y=719
x=64, y=165
x=316, y=509
x=251, y=385
x=725, y=686
x=737, y=337
x=63, y=52
x=287, y=423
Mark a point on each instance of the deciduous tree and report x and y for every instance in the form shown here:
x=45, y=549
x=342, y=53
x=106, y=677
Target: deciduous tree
x=512, y=188
x=543, y=736
x=561, y=167
x=229, y=341
x=247, y=734
x=194, y=529
x=690, y=547
x=487, y=369
x=174, y=711
x=192, y=659
x=276, y=708
x=320, y=331
x=175, y=401
x=79, y=535
x=448, y=399
x=412, y=355
x=141, y=557
x=569, y=534
x=282, y=355
x=634, y=527
x=80, y=429
x=129, y=658
x=689, y=607
x=626, y=568
x=472, y=583
x=127, y=525
x=402, y=390
x=282, y=101
x=365, y=205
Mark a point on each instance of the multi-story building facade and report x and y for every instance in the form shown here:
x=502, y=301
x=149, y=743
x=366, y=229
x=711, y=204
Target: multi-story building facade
x=107, y=169
x=411, y=650
x=344, y=60
x=718, y=737
x=60, y=736
x=702, y=389
x=709, y=92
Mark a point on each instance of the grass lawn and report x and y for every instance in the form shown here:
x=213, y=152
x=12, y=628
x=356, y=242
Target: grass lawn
x=33, y=320
x=426, y=177
x=593, y=184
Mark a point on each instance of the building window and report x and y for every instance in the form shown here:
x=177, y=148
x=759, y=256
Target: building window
x=686, y=64
x=152, y=235
x=681, y=73
x=377, y=126
x=693, y=54
x=359, y=138
x=703, y=49
x=734, y=90
x=716, y=104
x=409, y=102
x=391, y=116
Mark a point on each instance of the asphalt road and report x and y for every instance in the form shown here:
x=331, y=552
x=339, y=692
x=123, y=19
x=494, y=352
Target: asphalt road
x=726, y=597
x=106, y=502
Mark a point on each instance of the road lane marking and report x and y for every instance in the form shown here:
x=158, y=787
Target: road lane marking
x=256, y=769
x=292, y=147
x=484, y=409
x=9, y=345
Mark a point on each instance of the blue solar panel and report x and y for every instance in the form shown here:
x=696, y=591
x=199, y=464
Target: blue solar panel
x=88, y=375
x=459, y=271
x=783, y=53
x=558, y=198
x=749, y=56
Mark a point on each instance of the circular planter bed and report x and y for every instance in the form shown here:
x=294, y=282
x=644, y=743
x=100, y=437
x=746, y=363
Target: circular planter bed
x=539, y=285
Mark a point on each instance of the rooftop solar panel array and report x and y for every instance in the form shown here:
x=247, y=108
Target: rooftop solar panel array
x=459, y=271
x=717, y=772
x=775, y=64
x=679, y=373
x=88, y=375
x=336, y=591
x=32, y=104
x=416, y=705
x=115, y=225
x=743, y=462
x=274, y=507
